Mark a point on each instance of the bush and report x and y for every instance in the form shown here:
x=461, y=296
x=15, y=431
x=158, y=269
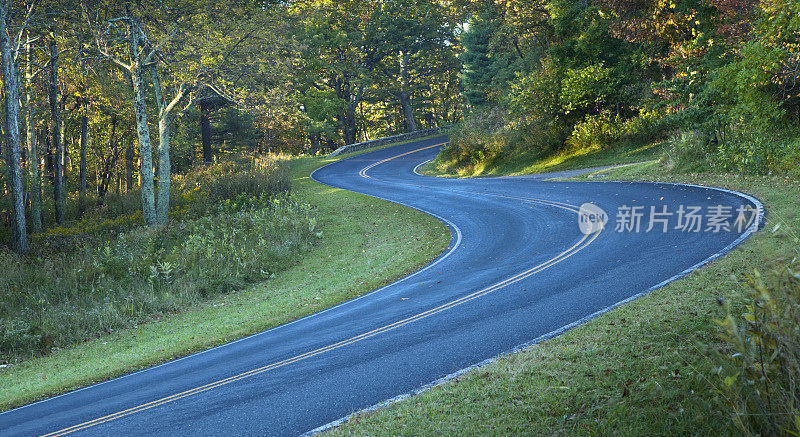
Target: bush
x=737, y=151
x=596, y=132
x=479, y=138
x=789, y=164
x=763, y=388
x=687, y=152
x=208, y=188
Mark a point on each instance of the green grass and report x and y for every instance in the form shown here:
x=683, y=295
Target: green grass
x=652, y=367
x=365, y=243
x=527, y=162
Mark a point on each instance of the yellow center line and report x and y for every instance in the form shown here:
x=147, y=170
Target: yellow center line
x=575, y=248
x=363, y=172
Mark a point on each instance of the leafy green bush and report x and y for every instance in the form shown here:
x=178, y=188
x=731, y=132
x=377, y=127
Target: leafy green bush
x=479, y=138
x=763, y=387
x=687, y=152
x=208, y=188
x=648, y=126
x=587, y=88
x=789, y=163
x=739, y=151
x=595, y=132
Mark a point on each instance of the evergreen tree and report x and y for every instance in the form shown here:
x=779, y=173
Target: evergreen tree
x=479, y=68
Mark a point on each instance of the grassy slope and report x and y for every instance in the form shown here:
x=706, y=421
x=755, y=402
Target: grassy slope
x=515, y=164
x=364, y=246
x=647, y=368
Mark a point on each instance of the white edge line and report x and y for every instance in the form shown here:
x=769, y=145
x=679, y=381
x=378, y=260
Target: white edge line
x=753, y=228
x=420, y=165
x=455, y=246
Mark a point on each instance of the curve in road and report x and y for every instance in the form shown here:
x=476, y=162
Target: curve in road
x=518, y=270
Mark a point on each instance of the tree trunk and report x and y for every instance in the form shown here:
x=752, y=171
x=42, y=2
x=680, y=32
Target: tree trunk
x=49, y=165
x=348, y=117
x=408, y=112
x=84, y=141
x=129, y=166
x=205, y=131
x=33, y=155
x=405, y=94
x=349, y=129
x=142, y=131
x=108, y=166
x=164, y=164
x=66, y=164
x=11, y=88
x=58, y=191
x=164, y=170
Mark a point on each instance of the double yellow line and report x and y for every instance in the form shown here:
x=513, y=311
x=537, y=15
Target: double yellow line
x=363, y=172
x=582, y=243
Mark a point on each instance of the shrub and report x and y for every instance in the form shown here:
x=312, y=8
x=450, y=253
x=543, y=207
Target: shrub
x=595, y=132
x=738, y=150
x=789, y=164
x=480, y=137
x=763, y=387
x=687, y=152
x=207, y=188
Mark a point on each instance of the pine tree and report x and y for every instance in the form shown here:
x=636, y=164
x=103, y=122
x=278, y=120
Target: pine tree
x=478, y=64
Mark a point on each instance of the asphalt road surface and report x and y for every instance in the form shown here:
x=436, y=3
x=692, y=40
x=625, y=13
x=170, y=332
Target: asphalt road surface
x=519, y=269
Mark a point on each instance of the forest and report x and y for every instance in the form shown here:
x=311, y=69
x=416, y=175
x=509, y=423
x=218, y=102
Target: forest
x=101, y=96
x=719, y=78
x=147, y=144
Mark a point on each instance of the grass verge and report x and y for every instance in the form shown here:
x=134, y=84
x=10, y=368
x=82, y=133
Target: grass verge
x=527, y=162
x=363, y=246
x=652, y=367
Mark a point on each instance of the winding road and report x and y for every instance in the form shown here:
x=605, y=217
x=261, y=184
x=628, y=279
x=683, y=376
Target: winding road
x=518, y=270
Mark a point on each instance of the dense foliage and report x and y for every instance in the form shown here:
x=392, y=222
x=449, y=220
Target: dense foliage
x=763, y=386
x=718, y=77
x=717, y=80
x=114, y=94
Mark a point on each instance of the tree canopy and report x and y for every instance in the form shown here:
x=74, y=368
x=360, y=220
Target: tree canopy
x=120, y=96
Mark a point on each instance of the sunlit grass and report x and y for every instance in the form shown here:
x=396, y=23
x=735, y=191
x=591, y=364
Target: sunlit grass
x=529, y=162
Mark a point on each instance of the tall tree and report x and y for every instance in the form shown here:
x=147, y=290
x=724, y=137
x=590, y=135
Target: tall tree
x=56, y=130
x=141, y=59
x=418, y=39
x=342, y=51
x=478, y=64
x=84, y=140
x=8, y=50
x=166, y=113
x=83, y=106
x=34, y=178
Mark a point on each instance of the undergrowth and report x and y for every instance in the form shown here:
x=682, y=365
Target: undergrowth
x=762, y=384
x=231, y=224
